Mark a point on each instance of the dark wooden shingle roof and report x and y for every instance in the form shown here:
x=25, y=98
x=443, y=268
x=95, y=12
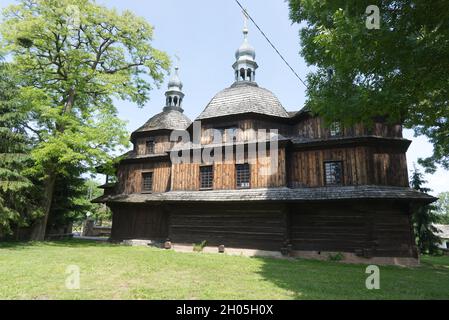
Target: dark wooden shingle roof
x=167, y=120
x=244, y=97
x=277, y=194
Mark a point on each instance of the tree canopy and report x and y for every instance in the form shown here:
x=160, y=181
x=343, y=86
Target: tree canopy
x=74, y=57
x=398, y=70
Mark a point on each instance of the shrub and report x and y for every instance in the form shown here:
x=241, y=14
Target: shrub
x=198, y=247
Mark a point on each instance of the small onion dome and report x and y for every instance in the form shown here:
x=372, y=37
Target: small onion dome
x=245, y=49
x=174, y=81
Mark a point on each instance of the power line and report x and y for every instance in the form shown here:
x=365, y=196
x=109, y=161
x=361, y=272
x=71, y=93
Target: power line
x=274, y=47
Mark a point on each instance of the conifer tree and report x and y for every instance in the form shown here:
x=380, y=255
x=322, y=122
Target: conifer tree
x=17, y=192
x=423, y=218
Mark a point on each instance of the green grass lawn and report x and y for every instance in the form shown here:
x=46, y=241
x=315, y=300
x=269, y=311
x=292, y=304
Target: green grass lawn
x=38, y=271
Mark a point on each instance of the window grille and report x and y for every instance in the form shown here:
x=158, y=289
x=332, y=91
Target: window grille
x=333, y=172
x=206, y=177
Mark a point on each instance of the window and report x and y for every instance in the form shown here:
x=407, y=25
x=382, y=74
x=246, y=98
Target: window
x=242, y=74
x=231, y=134
x=150, y=146
x=206, y=177
x=335, y=129
x=243, y=175
x=333, y=172
x=228, y=134
x=147, y=182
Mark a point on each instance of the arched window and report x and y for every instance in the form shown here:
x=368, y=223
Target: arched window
x=175, y=101
x=248, y=74
x=180, y=100
x=242, y=73
x=169, y=101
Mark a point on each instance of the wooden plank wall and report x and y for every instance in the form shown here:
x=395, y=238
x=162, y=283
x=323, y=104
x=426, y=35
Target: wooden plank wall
x=307, y=167
x=377, y=228
x=133, y=221
x=384, y=229
x=186, y=175
x=130, y=176
x=361, y=166
x=162, y=144
x=315, y=128
x=389, y=168
x=252, y=226
x=248, y=129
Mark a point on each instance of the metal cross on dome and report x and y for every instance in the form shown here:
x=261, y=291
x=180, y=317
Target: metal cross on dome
x=245, y=18
x=178, y=59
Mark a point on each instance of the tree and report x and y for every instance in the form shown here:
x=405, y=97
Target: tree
x=423, y=218
x=398, y=70
x=72, y=200
x=18, y=204
x=99, y=212
x=74, y=57
x=442, y=208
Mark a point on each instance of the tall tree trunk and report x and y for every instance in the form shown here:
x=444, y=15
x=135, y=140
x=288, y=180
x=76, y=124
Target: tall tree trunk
x=40, y=226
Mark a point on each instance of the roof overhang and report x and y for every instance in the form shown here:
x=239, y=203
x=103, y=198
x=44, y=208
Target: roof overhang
x=279, y=195
x=400, y=144
x=147, y=133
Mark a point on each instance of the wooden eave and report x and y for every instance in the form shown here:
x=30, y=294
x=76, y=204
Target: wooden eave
x=146, y=158
x=282, y=194
x=400, y=144
x=149, y=133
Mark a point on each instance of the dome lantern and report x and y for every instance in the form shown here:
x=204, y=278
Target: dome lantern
x=174, y=94
x=245, y=65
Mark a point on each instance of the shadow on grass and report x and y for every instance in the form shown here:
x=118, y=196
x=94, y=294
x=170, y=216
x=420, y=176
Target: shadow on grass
x=313, y=279
x=307, y=279
x=436, y=262
x=282, y=273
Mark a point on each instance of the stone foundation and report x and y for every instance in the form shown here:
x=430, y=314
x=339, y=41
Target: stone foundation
x=345, y=257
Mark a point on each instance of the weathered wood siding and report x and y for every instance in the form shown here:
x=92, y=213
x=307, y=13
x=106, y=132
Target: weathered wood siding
x=162, y=144
x=389, y=167
x=379, y=229
x=132, y=221
x=185, y=176
x=247, y=129
x=253, y=227
x=370, y=228
x=130, y=176
x=307, y=167
x=361, y=166
x=315, y=128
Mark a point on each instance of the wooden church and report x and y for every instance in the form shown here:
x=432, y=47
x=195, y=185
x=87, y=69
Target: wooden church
x=331, y=189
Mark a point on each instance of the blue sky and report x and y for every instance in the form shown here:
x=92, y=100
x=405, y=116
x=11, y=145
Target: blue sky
x=206, y=33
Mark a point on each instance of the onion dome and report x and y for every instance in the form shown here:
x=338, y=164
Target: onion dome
x=172, y=116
